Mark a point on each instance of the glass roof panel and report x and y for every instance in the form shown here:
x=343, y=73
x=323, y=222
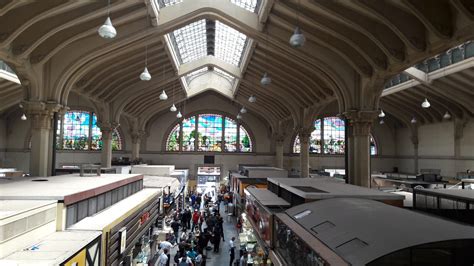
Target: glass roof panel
x=165, y=3
x=229, y=44
x=190, y=41
x=250, y=5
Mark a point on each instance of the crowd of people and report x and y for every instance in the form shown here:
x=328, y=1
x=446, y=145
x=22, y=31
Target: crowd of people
x=197, y=232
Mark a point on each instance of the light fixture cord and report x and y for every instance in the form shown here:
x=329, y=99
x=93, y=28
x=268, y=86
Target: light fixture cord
x=108, y=8
x=146, y=55
x=297, y=13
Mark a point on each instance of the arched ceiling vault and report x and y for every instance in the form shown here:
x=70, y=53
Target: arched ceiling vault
x=352, y=48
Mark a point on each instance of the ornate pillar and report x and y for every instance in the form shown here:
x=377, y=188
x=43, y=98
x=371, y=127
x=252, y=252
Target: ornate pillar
x=359, y=147
x=40, y=114
x=136, y=141
x=304, y=135
x=279, y=151
x=414, y=141
x=106, y=157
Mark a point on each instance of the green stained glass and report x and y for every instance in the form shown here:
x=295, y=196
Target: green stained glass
x=230, y=138
x=172, y=143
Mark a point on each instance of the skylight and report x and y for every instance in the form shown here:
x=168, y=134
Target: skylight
x=250, y=5
x=165, y=3
x=190, y=41
x=229, y=44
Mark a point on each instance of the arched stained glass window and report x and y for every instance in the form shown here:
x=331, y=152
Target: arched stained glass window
x=245, y=142
x=78, y=130
x=189, y=133
x=330, y=138
x=230, y=137
x=215, y=133
x=334, y=131
x=210, y=132
x=172, y=143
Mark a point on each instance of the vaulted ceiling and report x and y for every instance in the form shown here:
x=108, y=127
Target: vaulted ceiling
x=353, y=48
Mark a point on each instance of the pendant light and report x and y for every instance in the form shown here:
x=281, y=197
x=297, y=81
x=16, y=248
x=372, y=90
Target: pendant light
x=252, y=99
x=145, y=75
x=381, y=122
x=163, y=96
x=447, y=115
x=243, y=110
x=413, y=120
x=173, y=108
x=23, y=117
x=425, y=104
x=382, y=114
x=266, y=80
x=107, y=31
x=239, y=116
x=179, y=115
x=297, y=39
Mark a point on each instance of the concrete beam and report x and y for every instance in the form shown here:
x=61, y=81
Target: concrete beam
x=209, y=61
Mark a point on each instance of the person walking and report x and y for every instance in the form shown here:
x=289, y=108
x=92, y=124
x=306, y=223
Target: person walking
x=163, y=259
x=175, y=227
x=195, y=219
x=232, y=250
x=216, y=240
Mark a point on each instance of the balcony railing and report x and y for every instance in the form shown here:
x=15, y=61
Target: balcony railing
x=451, y=56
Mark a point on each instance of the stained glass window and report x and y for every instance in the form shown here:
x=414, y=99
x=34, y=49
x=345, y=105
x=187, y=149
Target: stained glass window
x=230, y=138
x=334, y=133
x=79, y=131
x=76, y=130
x=210, y=132
x=189, y=133
x=245, y=142
x=172, y=143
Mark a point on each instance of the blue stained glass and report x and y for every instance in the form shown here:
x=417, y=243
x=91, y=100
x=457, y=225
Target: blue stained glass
x=76, y=130
x=210, y=132
x=189, y=133
x=334, y=135
x=230, y=138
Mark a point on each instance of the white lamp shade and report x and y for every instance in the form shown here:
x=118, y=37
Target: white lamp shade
x=179, y=115
x=173, y=108
x=23, y=117
x=239, y=116
x=382, y=114
x=107, y=31
x=243, y=110
x=145, y=75
x=252, y=99
x=163, y=96
x=413, y=120
x=447, y=115
x=297, y=39
x=382, y=122
x=425, y=104
x=266, y=80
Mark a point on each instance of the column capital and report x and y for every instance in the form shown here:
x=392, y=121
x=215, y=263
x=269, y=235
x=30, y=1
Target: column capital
x=137, y=136
x=360, y=121
x=40, y=113
x=304, y=133
x=107, y=126
x=279, y=138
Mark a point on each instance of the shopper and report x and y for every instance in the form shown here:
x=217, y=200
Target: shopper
x=175, y=227
x=232, y=251
x=195, y=218
x=216, y=240
x=185, y=261
x=163, y=259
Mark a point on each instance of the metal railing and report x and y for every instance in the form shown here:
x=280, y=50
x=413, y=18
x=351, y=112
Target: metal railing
x=451, y=56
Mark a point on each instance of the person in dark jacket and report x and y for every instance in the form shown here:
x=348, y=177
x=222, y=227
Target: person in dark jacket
x=216, y=240
x=175, y=227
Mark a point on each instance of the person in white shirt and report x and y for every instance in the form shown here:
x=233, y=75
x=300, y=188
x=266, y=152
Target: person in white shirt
x=163, y=259
x=232, y=251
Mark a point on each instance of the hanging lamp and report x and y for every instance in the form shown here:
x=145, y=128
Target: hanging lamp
x=252, y=99
x=447, y=115
x=413, y=120
x=23, y=117
x=425, y=104
x=382, y=114
x=381, y=122
x=243, y=110
x=239, y=116
x=107, y=31
x=297, y=39
x=179, y=115
x=266, y=80
x=163, y=96
x=173, y=108
x=145, y=75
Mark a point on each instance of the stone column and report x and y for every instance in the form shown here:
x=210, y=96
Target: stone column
x=459, y=125
x=106, y=156
x=414, y=141
x=304, y=135
x=136, y=141
x=279, y=152
x=359, y=150
x=40, y=115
